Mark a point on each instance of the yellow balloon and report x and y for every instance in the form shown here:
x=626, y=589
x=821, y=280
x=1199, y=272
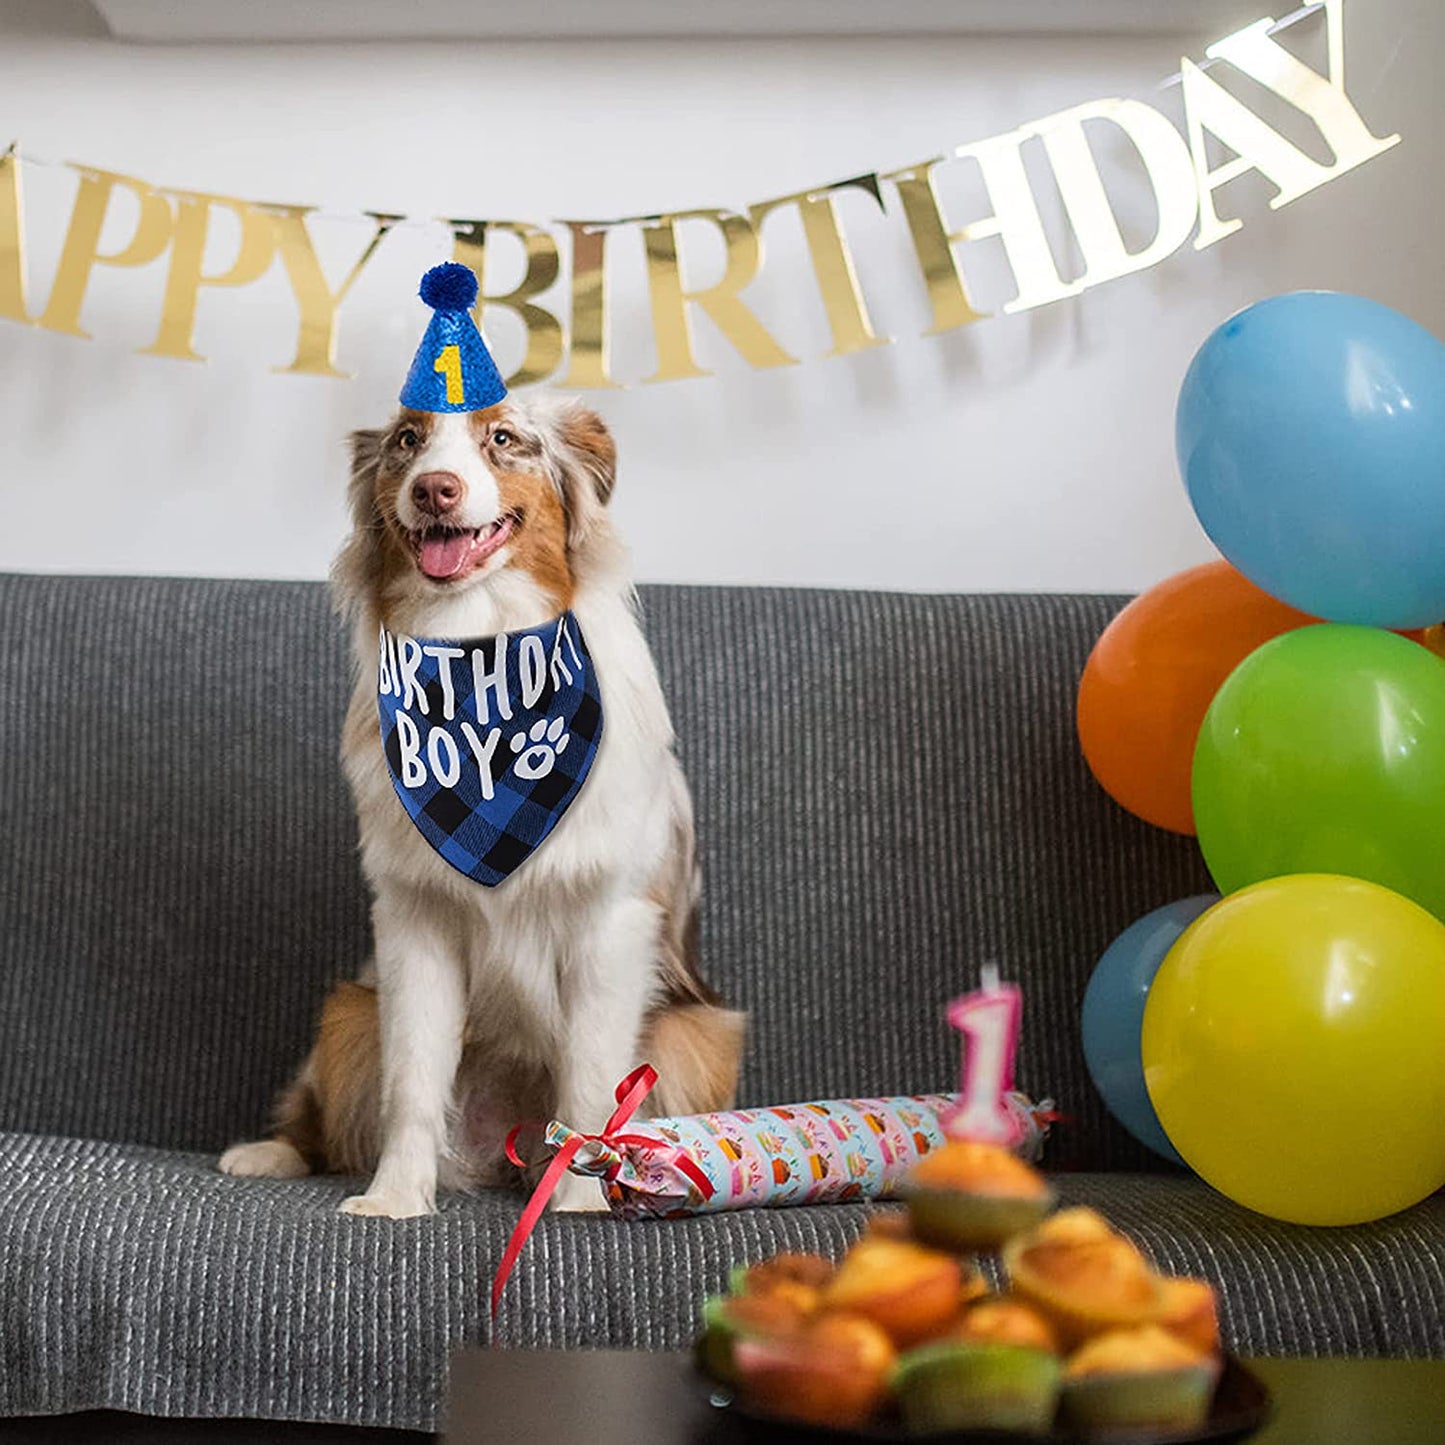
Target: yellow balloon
x=1294, y=1049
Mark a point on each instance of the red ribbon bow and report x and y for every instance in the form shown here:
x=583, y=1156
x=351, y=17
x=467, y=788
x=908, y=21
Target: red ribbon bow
x=629, y=1095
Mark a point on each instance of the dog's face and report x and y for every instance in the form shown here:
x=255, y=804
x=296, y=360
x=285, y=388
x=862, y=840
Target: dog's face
x=447, y=502
x=467, y=494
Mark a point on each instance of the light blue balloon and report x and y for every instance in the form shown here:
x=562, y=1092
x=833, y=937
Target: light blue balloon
x=1113, y=1016
x=1311, y=437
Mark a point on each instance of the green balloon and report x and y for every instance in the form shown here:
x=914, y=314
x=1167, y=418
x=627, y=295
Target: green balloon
x=1324, y=752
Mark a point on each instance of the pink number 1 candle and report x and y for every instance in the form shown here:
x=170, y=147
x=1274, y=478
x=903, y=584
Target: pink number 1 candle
x=988, y=1019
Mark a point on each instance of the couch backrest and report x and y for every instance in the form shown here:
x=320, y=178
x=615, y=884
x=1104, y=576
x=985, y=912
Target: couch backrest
x=889, y=793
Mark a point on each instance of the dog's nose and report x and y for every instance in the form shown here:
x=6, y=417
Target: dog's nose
x=436, y=493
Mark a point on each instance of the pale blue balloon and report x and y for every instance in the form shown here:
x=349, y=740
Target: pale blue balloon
x=1311, y=437
x=1113, y=1016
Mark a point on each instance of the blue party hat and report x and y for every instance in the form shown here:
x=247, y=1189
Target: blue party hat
x=452, y=370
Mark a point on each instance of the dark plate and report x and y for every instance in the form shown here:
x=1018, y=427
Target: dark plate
x=1241, y=1405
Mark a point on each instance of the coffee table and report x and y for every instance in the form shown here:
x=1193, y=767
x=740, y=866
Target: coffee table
x=630, y=1397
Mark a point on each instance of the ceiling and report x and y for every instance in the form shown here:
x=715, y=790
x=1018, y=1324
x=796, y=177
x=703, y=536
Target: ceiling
x=219, y=21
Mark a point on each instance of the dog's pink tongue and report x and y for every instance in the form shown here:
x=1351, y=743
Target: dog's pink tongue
x=444, y=555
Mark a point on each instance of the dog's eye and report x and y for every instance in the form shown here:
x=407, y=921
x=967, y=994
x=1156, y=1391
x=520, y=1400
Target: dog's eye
x=407, y=438
x=502, y=437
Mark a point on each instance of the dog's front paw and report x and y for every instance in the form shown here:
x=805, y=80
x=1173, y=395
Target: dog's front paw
x=265, y=1159
x=389, y=1204
x=576, y=1194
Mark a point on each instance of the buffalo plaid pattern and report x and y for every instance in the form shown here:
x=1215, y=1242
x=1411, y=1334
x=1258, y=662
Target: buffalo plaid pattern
x=489, y=740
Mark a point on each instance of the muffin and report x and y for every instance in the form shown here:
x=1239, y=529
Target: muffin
x=1004, y=1321
x=775, y=1314
x=811, y=1270
x=1074, y=1226
x=908, y=1291
x=1188, y=1310
x=888, y=1224
x=1083, y=1277
x=834, y=1371
x=960, y=1384
x=1137, y=1379
x=967, y=1195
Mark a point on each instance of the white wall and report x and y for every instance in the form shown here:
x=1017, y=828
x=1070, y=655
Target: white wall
x=1030, y=451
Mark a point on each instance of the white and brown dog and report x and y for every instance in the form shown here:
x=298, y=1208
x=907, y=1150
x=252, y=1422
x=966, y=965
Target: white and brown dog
x=487, y=1006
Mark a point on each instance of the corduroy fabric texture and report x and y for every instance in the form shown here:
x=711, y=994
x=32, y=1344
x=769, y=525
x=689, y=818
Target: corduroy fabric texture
x=140, y=1279
x=889, y=792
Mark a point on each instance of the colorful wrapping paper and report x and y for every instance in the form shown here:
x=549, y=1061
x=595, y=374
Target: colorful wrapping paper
x=824, y=1151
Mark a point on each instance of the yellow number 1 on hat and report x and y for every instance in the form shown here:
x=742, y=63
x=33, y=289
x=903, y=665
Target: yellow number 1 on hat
x=449, y=363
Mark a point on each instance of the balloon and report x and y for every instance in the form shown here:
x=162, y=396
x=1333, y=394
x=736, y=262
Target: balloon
x=1310, y=431
x=1324, y=752
x=1114, y=1013
x=1152, y=676
x=1292, y=1049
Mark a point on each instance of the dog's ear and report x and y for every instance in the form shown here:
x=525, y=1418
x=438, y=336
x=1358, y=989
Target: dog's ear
x=589, y=469
x=365, y=460
x=359, y=562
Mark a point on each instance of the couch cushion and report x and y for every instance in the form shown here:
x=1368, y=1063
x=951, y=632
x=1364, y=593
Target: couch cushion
x=135, y=1279
x=889, y=792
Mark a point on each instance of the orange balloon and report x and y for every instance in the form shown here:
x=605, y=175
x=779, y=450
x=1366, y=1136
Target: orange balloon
x=1152, y=675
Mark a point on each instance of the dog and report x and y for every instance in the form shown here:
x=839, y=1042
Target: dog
x=484, y=1007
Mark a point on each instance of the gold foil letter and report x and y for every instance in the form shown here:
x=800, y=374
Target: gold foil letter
x=185, y=279
x=1171, y=176
x=12, y=241
x=671, y=323
x=590, y=350
x=832, y=261
x=1015, y=221
x=82, y=242
x=544, y=331
x=1208, y=106
x=316, y=333
x=947, y=289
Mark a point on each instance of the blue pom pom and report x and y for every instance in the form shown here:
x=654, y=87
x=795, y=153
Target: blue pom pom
x=449, y=287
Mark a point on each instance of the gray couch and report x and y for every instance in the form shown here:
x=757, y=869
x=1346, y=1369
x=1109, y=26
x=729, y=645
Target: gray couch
x=889, y=793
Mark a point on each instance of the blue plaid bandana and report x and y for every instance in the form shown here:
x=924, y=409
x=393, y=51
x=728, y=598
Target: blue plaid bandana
x=489, y=740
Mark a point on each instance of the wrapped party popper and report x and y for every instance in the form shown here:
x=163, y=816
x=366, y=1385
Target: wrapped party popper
x=823, y=1151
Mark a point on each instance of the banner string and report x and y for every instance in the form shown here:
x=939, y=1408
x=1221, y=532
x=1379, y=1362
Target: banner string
x=355, y=217
x=1293, y=18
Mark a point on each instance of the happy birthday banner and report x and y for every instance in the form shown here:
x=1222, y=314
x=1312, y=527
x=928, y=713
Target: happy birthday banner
x=176, y=223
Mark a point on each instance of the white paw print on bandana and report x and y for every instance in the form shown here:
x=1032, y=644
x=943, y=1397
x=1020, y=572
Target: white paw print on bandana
x=543, y=744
